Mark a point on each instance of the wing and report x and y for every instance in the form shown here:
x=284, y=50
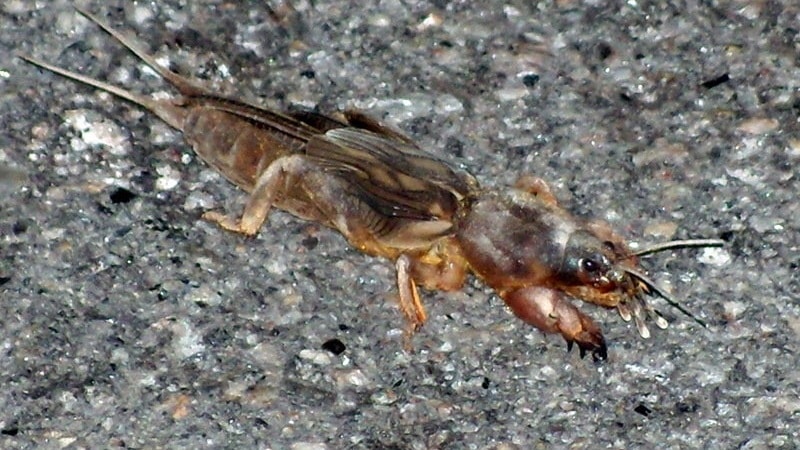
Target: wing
x=408, y=193
x=385, y=168
x=395, y=178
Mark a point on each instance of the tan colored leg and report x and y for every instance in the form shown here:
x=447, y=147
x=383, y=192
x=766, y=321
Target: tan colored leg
x=272, y=182
x=410, y=303
x=537, y=187
x=443, y=269
x=335, y=206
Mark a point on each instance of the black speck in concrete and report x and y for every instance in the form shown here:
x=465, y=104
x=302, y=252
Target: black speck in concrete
x=334, y=346
x=19, y=227
x=714, y=82
x=121, y=195
x=643, y=410
x=530, y=80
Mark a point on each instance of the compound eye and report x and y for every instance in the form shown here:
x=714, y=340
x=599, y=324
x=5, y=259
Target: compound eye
x=589, y=265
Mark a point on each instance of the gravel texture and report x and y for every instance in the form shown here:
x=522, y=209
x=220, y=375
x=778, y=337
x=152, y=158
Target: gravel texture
x=129, y=322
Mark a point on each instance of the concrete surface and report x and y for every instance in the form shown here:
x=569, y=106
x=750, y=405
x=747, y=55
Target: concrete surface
x=128, y=322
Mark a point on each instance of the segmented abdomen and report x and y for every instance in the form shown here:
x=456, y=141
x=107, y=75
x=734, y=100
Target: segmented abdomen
x=239, y=149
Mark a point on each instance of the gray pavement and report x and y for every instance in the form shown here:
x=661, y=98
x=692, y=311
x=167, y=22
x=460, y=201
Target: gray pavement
x=126, y=321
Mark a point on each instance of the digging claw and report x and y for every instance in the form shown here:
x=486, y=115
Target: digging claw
x=596, y=345
x=549, y=311
x=600, y=353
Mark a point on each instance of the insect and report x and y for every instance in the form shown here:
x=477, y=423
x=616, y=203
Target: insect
x=391, y=199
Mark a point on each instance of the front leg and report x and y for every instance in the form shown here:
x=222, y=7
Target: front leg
x=549, y=311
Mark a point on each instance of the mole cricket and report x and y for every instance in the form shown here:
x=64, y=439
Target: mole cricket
x=389, y=198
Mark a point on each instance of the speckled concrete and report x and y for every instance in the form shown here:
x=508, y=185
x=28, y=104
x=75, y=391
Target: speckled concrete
x=128, y=322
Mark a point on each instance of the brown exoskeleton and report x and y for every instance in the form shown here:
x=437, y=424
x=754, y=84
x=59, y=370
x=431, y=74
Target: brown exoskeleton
x=391, y=199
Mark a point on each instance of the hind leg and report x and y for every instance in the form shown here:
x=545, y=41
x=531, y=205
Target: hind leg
x=272, y=183
x=300, y=187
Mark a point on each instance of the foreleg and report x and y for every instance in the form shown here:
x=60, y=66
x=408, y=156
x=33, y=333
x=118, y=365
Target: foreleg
x=549, y=311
